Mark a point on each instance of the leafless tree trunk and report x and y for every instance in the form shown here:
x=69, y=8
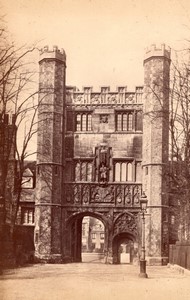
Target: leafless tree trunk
x=18, y=110
x=179, y=173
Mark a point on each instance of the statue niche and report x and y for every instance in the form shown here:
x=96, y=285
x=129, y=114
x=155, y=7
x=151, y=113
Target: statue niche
x=103, y=163
x=103, y=173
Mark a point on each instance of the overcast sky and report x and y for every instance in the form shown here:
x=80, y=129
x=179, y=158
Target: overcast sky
x=104, y=39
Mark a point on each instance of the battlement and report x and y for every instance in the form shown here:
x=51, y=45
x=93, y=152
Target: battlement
x=104, y=96
x=104, y=89
x=54, y=53
x=153, y=51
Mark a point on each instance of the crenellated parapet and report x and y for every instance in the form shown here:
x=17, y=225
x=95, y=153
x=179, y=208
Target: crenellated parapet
x=104, y=96
x=54, y=53
x=154, y=51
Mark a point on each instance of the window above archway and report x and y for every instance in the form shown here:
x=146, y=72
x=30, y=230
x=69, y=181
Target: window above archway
x=123, y=171
x=83, y=170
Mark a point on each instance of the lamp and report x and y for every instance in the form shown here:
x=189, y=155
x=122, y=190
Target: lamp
x=143, y=206
x=143, y=202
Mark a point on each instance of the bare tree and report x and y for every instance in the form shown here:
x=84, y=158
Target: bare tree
x=179, y=173
x=18, y=110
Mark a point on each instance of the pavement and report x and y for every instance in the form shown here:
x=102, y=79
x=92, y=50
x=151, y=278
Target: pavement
x=93, y=281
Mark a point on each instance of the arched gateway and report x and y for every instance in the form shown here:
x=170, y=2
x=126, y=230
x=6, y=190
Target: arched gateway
x=124, y=225
x=93, y=158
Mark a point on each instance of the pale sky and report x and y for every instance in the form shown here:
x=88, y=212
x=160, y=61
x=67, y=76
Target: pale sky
x=104, y=39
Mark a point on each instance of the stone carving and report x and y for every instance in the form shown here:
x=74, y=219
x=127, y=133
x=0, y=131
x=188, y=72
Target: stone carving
x=112, y=99
x=104, y=195
x=119, y=200
x=117, y=194
x=79, y=99
x=103, y=118
x=125, y=223
x=130, y=98
x=109, y=194
x=97, y=197
x=128, y=195
x=106, y=98
x=95, y=99
x=77, y=193
x=85, y=194
x=137, y=194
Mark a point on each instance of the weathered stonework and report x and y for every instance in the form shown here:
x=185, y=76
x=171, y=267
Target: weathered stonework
x=155, y=150
x=49, y=155
x=94, y=159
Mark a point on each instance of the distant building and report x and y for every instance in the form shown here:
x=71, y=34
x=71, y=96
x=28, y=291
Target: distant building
x=93, y=234
x=25, y=214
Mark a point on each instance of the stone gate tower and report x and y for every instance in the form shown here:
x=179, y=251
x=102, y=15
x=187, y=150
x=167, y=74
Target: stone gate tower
x=92, y=150
x=155, y=150
x=50, y=154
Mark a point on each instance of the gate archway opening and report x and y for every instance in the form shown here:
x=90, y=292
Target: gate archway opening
x=93, y=240
x=87, y=238
x=125, y=249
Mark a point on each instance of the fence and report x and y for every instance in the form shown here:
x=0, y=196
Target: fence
x=179, y=254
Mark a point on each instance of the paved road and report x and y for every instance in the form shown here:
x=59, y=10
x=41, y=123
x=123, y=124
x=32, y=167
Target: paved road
x=92, y=281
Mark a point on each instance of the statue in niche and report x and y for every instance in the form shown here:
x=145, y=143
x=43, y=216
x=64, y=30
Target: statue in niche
x=103, y=173
x=103, y=157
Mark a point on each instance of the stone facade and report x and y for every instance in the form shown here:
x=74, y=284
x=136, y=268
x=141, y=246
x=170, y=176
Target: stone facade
x=97, y=151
